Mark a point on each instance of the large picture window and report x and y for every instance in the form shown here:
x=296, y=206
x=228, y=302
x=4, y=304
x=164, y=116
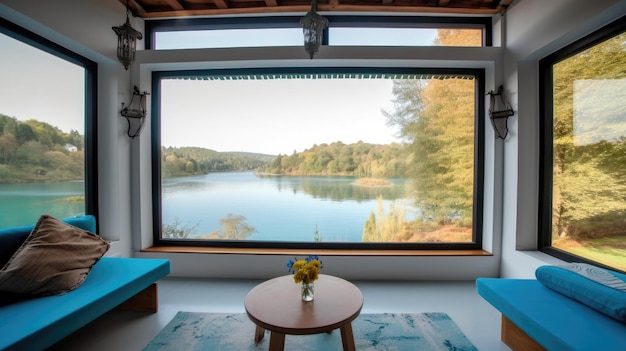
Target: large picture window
x=47, y=119
x=583, y=185
x=348, y=158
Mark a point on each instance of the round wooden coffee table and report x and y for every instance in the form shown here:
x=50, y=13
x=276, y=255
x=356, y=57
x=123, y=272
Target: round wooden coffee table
x=276, y=305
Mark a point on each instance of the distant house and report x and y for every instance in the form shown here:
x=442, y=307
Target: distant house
x=71, y=148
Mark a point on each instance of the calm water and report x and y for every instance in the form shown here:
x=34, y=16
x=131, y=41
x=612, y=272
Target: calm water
x=280, y=208
x=22, y=204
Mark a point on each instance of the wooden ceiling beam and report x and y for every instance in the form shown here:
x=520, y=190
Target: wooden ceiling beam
x=321, y=8
x=175, y=5
x=135, y=8
x=271, y=3
x=221, y=4
x=443, y=3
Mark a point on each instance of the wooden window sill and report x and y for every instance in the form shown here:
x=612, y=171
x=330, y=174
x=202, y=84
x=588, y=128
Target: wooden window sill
x=321, y=252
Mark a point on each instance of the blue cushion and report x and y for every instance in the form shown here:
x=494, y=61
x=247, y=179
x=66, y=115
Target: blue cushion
x=36, y=324
x=553, y=320
x=602, y=298
x=12, y=238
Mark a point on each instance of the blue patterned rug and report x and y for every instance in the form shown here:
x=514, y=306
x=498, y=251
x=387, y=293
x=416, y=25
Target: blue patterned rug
x=388, y=331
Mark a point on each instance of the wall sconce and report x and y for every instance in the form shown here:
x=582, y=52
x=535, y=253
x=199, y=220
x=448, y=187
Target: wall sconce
x=126, y=41
x=135, y=112
x=499, y=113
x=313, y=26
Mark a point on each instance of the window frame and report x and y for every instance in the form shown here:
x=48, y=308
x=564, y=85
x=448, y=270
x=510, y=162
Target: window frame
x=91, y=116
x=546, y=104
x=345, y=21
x=479, y=152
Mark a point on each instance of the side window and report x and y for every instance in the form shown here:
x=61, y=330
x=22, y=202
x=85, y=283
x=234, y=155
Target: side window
x=46, y=113
x=583, y=207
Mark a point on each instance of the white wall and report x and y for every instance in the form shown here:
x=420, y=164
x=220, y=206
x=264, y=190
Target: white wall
x=534, y=29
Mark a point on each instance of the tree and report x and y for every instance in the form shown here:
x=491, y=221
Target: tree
x=8, y=147
x=385, y=227
x=436, y=118
x=589, y=194
x=317, y=237
x=177, y=230
x=35, y=151
x=235, y=227
x=24, y=133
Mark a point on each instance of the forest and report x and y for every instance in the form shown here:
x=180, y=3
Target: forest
x=34, y=151
x=186, y=161
x=359, y=159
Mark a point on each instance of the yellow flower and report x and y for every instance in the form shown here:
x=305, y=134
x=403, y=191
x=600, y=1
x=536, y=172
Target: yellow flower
x=305, y=270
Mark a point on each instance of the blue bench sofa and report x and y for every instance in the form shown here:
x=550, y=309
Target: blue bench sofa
x=535, y=317
x=35, y=323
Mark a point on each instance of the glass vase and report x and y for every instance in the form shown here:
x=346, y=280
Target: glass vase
x=307, y=291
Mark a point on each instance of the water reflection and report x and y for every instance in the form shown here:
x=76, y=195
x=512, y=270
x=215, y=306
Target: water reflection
x=342, y=188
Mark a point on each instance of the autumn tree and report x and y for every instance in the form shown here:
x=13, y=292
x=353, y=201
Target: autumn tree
x=589, y=184
x=436, y=116
x=235, y=227
x=385, y=226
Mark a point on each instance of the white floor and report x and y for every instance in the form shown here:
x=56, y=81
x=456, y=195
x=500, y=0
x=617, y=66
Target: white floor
x=122, y=330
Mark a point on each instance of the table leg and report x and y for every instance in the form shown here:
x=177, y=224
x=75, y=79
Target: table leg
x=258, y=334
x=277, y=341
x=347, y=338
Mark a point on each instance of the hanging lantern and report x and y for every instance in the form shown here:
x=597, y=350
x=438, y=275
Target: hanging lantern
x=127, y=38
x=313, y=26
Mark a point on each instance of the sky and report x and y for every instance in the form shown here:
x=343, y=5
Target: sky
x=272, y=117
x=41, y=86
x=293, y=37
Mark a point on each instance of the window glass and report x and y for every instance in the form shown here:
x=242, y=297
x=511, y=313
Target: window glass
x=42, y=128
x=342, y=31
x=589, y=153
x=318, y=157
x=228, y=38
x=404, y=37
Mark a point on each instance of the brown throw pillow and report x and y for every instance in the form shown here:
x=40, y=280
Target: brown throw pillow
x=54, y=259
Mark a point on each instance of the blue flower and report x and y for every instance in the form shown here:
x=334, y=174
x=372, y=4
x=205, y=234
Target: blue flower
x=305, y=270
x=290, y=265
x=312, y=257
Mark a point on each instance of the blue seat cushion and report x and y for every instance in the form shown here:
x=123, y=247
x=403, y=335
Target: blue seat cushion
x=601, y=289
x=553, y=320
x=35, y=324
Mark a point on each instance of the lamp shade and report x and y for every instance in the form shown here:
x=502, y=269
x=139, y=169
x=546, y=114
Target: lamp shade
x=126, y=43
x=313, y=26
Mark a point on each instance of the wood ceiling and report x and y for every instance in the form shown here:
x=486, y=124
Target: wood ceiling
x=148, y=9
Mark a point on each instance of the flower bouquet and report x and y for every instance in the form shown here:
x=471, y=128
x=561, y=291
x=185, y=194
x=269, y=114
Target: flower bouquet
x=305, y=271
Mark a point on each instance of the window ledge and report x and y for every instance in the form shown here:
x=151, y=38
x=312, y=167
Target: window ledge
x=321, y=252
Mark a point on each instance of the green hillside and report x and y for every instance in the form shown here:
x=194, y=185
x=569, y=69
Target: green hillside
x=34, y=151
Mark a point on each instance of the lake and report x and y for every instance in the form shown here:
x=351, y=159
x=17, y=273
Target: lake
x=23, y=204
x=280, y=208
